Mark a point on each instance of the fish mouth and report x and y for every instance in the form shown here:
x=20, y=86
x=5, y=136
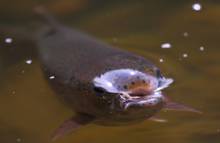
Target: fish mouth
x=133, y=88
x=128, y=101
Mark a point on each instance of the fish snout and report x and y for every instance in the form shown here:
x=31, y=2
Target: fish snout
x=148, y=102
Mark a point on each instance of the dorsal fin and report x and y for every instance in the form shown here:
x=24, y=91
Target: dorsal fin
x=47, y=17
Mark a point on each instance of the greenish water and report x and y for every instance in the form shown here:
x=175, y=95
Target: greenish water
x=29, y=111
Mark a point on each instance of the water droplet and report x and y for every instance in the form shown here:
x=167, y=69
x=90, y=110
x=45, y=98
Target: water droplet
x=185, y=34
x=115, y=40
x=201, y=48
x=22, y=71
x=185, y=55
x=166, y=45
x=8, y=40
x=13, y=92
x=161, y=60
x=28, y=61
x=18, y=140
x=52, y=77
x=196, y=6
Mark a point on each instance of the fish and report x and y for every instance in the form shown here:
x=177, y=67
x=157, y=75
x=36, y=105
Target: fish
x=102, y=84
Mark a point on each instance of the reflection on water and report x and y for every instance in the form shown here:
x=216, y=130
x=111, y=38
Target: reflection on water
x=29, y=111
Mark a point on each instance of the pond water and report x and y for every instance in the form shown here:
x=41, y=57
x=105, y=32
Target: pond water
x=178, y=36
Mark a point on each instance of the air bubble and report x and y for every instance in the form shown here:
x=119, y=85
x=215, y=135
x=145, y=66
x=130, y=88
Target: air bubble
x=166, y=45
x=201, y=48
x=196, y=6
x=8, y=40
x=52, y=77
x=28, y=61
x=161, y=60
x=185, y=55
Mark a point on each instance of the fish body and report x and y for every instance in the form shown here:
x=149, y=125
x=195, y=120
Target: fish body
x=102, y=84
x=75, y=59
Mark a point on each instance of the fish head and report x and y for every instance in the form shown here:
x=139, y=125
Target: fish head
x=132, y=90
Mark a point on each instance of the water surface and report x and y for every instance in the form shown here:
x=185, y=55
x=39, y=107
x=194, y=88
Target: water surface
x=29, y=110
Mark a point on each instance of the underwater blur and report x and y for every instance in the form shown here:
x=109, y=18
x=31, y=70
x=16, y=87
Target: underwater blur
x=180, y=37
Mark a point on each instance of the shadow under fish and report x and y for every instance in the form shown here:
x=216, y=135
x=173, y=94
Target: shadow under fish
x=102, y=84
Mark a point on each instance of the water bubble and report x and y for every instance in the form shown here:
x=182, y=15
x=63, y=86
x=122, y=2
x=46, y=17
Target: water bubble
x=196, y=6
x=28, y=61
x=8, y=40
x=18, y=140
x=185, y=34
x=161, y=60
x=115, y=40
x=22, y=71
x=185, y=55
x=52, y=77
x=13, y=92
x=166, y=45
x=201, y=48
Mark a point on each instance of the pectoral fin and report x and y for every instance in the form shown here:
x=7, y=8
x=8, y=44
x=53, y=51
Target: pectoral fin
x=71, y=125
x=180, y=107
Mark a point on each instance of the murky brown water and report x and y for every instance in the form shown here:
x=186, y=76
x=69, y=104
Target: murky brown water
x=29, y=111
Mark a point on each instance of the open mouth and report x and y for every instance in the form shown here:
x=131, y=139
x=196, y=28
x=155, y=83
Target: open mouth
x=132, y=86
